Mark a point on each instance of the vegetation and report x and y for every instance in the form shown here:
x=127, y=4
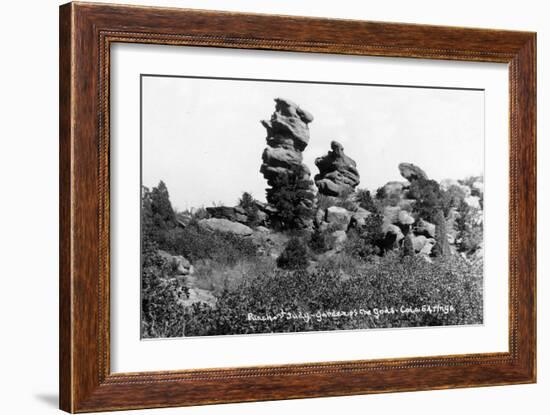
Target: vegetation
x=295, y=255
x=365, y=200
x=161, y=295
x=428, y=199
x=293, y=200
x=290, y=278
x=368, y=240
x=249, y=205
x=390, y=284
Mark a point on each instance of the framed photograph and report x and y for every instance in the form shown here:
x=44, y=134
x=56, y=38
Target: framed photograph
x=258, y=207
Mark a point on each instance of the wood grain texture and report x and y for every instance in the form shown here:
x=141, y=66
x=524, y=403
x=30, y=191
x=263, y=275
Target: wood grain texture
x=86, y=33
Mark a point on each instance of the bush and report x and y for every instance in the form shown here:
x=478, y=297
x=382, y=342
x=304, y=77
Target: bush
x=196, y=243
x=469, y=230
x=393, y=282
x=429, y=199
x=364, y=199
x=249, y=205
x=322, y=240
x=366, y=241
x=161, y=296
x=294, y=256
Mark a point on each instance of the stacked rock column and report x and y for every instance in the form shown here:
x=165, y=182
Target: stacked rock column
x=287, y=137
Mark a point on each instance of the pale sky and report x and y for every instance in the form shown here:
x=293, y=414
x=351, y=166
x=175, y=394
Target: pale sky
x=204, y=139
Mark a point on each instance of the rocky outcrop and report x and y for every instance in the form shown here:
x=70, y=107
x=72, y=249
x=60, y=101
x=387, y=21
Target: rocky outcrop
x=225, y=225
x=234, y=214
x=411, y=172
x=338, y=174
x=287, y=137
x=338, y=218
x=359, y=217
x=425, y=228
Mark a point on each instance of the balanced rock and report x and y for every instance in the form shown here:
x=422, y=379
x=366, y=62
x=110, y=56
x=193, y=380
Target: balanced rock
x=411, y=172
x=338, y=174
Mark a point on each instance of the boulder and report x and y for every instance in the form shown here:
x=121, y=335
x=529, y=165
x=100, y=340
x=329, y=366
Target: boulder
x=393, y=231
x=411, y=172
x=405, y=218
x=183, y=219
x=393, y=189
x=406, y=204
x=421, y=244
x=338, y=218
x=359, y=217
x=320, y=215
x=478, y=186
x=338, y=174
x=425, y=228
x=181, y=265
x=225, y=225
x=427, y=248
x=391, y=213
x=339, y=240
x=473, y=201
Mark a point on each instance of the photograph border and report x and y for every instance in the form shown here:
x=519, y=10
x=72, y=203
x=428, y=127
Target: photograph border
x=293, y=81
x=86, y=34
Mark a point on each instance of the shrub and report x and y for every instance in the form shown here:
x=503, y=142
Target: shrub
x=364, y=199
x=367, y=241
x=196, y=243
x=294, y=256
x=249, y=205
x=161, y=296
x=429, y=198
x=469, y=230
x=393, y=282
x=322, y=240
x=408, y=248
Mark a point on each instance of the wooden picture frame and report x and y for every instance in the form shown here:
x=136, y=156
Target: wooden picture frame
x=86, y=33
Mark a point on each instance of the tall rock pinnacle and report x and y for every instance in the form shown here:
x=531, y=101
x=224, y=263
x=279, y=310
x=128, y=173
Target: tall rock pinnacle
x=282, y=166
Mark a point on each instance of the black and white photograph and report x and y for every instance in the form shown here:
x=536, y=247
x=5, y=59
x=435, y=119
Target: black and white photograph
x=286, y=206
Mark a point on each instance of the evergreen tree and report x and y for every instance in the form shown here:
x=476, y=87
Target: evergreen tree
x=295, y=255
x=161, y=207
x=293, y=198
x=429, y=199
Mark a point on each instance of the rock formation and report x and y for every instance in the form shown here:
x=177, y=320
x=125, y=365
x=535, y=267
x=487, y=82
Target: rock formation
x=411, y=172
x=225, y=226
x=338, y=173
x=287, y=137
